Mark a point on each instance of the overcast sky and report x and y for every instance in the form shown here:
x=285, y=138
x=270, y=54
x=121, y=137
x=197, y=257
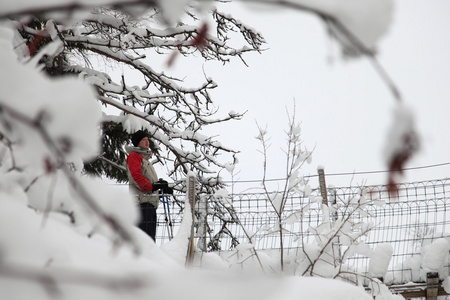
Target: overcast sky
x=344, y=106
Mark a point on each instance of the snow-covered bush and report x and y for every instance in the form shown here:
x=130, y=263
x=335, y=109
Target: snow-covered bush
x=324, y=248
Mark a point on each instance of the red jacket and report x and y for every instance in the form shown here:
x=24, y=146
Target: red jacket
x=134, y=162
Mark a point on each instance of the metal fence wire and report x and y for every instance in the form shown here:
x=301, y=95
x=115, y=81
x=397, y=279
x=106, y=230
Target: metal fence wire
x=414, y=219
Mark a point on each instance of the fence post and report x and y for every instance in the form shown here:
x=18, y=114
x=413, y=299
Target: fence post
x=322, y=184
x=432, y=285
x=191, y=199
x=324, y=193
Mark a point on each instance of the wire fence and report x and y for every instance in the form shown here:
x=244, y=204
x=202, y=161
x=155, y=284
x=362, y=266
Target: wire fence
x=417, y=217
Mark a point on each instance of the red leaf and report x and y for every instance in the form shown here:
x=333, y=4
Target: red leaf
x=49, y=166
x=34, y=45
x=398, y=161
x=172, y=58
x=200, y=40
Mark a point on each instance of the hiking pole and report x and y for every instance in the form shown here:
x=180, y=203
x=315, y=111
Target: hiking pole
x=167, y=217
x=165, y=214
x=170, y=219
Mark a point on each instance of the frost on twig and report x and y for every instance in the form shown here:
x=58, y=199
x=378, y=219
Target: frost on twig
x=218, y=206
x=173, y=111
x=338, y=235
x=296, y=156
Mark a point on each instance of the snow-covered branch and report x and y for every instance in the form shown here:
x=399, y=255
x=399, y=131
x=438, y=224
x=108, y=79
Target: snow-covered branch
x=58, y=160
x=173, y=112
x=296, y=155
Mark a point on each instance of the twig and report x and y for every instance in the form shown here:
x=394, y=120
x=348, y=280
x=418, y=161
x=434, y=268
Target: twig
x=77, y=186
x=115, y=165
x=353, y=39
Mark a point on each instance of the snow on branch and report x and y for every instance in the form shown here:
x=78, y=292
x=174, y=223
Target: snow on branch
x=174, y=112
x=57, y=160
x=357, y=25
x=66, y=8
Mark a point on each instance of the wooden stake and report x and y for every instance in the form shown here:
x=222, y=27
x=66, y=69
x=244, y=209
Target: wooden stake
x=191, y=199
x=323, y=186
x=432, y=285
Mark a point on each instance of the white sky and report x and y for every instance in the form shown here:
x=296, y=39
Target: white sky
x=344, y=107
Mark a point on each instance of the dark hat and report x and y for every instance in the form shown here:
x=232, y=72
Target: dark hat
x=138, y=136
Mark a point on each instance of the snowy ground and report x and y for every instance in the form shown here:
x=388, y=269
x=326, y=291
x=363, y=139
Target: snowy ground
x=54, y=261
x=54, y=255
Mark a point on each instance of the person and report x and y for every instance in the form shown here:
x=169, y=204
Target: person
x=143, y=180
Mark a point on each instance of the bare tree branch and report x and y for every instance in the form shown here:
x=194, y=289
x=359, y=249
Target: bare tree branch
x=59, y=161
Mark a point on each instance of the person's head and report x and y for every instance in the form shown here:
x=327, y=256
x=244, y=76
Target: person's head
x=141, y=139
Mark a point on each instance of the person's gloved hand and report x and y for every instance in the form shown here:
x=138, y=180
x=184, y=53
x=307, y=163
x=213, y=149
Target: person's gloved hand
x=166, y=188
x=157, y=186
x=163, y=186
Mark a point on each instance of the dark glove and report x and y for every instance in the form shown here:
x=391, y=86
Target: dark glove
x=166, y=188
x=163, y=186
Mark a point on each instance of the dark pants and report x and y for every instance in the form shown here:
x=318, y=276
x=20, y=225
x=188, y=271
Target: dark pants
x=148, y=219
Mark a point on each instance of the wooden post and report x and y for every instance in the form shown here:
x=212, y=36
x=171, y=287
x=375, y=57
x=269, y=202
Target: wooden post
x=324, y=193
x=191, y=199
x=432, y=285
x=323, y=185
